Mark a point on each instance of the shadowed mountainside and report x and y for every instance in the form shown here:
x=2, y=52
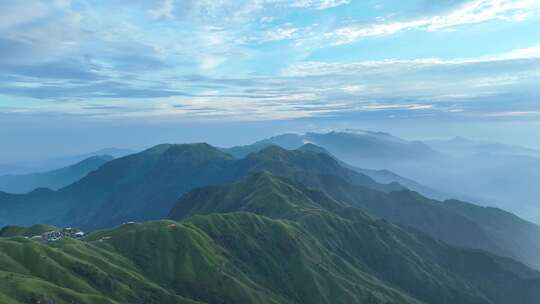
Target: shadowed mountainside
x=144, y=186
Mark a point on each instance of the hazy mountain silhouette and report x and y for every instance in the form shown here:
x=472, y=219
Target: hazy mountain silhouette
x=54, y=179
x=482, y=172
x=48, y=164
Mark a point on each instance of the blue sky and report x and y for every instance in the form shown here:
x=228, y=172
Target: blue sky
x=73, y=69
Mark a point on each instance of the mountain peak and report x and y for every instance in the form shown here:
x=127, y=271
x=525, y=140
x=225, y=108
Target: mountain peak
x=273, y=151
x=188, y=152
x=309, y=147
x=261, y=193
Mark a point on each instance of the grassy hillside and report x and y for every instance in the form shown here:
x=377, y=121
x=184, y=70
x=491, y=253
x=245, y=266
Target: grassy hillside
x=145, y=186
x=38, y=229
x=265, y=239
x=348, y=230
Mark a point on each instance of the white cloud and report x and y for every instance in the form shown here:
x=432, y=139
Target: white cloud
x=30, y=31
x=209, y=62
x=165, y=10
x=280, y=34
x=220, y=37
x=379, y=107
x=313, y=68
x=352, y=88
x=515, y=114
x=319, y=4
x=471, y=12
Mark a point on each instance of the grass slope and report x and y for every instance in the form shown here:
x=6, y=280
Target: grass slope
x=264, y=239
x=145, y=186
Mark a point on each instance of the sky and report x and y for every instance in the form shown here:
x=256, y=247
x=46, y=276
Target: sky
x=81, y=75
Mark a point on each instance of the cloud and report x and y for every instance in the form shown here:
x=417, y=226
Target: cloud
x=377, y=107
x=520, y=57
x=34, y=29
x=280, y=34
x=319, y=4
x=470, y=12
x=208, y=63
x=250, y=59
x=515, y=114
x=165, y=10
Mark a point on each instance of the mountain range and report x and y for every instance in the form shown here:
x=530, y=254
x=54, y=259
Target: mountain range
x=54, y=179
x=146, y=185
x=262, y=239
x=483, y=172
x=192, y=223
x=24, y=167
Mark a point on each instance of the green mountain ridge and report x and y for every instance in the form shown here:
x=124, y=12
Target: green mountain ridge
x=294, y=245
x=145, y=186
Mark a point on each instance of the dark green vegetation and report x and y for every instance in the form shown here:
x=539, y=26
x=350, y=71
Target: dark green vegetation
x=264, y=239
x=55, y=179
x=145, y=186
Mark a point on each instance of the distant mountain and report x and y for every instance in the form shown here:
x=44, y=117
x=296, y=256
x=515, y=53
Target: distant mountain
x=461, y=146
x=380, y=176
x=262, y=240
x=482, y=172
x=48, y=164
x=498, y=175
x=377, y=147
x=145, y=185
x=55, y=179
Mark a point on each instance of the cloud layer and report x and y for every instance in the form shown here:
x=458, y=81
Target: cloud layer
x=270, y=59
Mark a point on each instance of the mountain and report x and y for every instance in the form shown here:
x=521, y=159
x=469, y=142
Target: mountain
x=461, y=146
x=457, y=223
x=49, y=164
x=55, y=179
x=373, y=146
x=486, y=173
x=281, y=243
x=347, y=232
x=260, y=193
x=383, y=176
x=380, y=176
x=145, y=185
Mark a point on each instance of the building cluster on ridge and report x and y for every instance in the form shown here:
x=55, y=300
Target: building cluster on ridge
x=55, y=235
